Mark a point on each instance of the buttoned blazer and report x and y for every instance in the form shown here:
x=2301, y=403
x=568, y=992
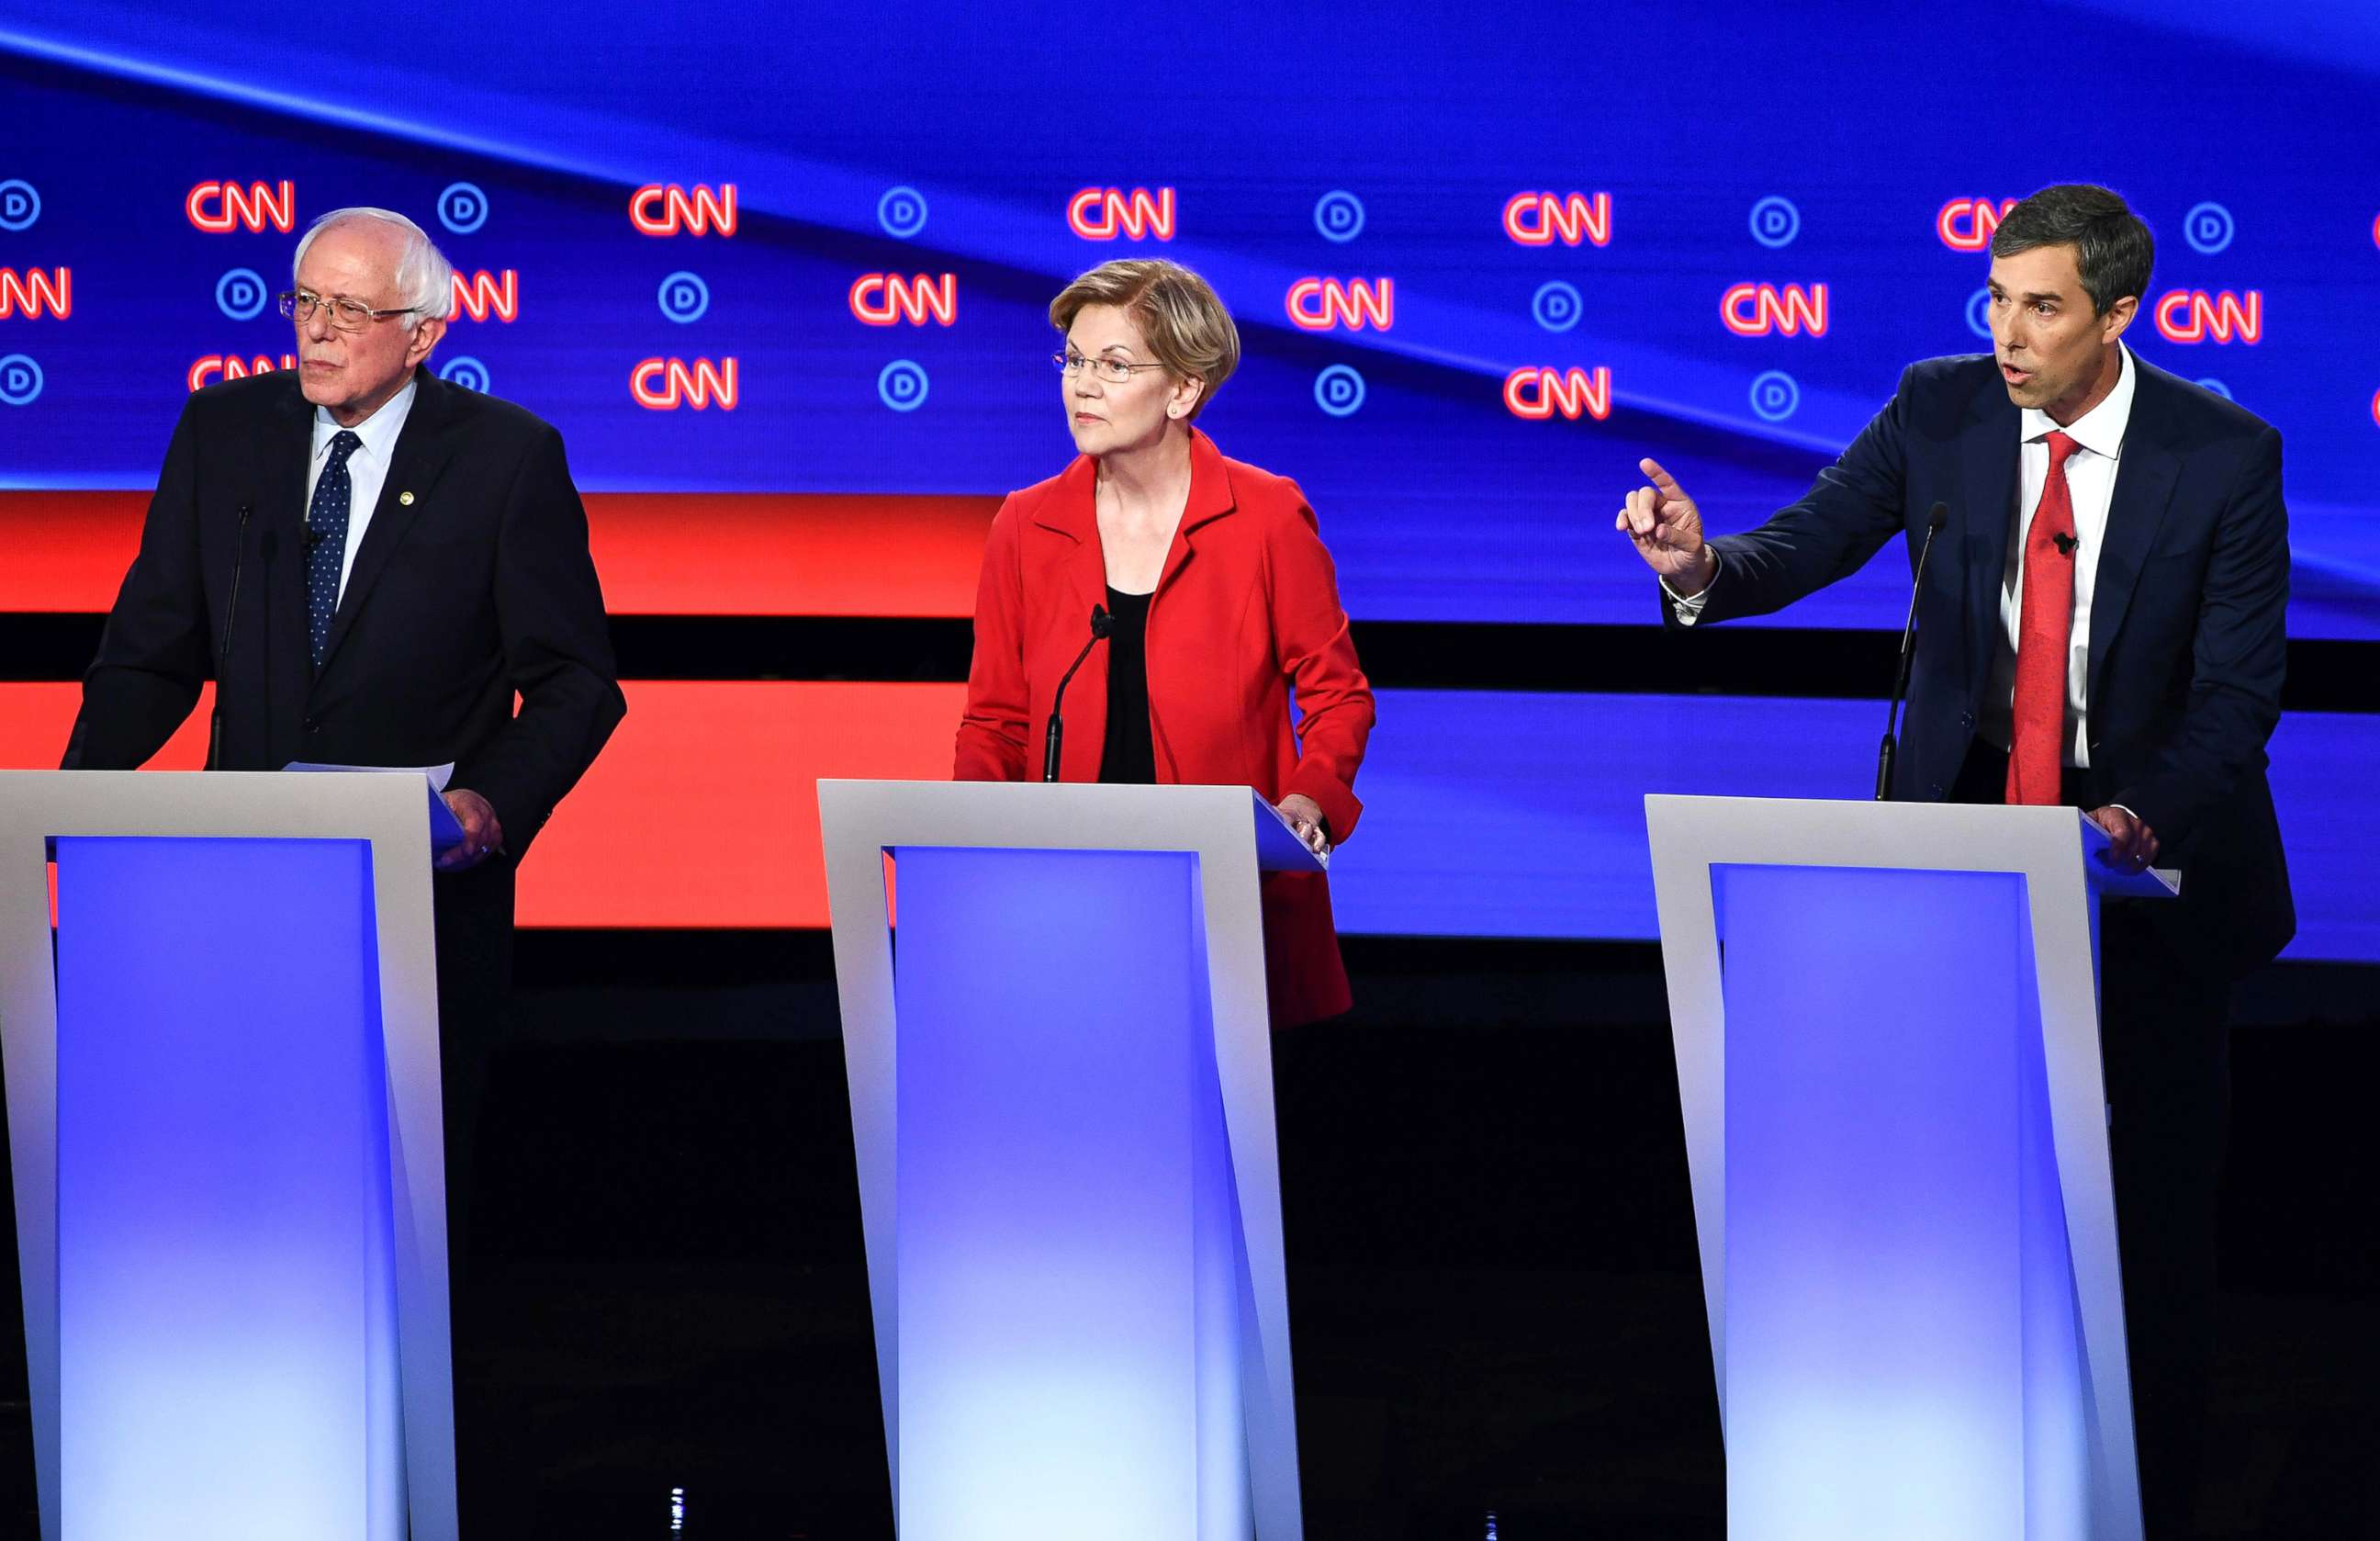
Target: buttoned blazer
x=472, y=584
x=2187, y=638
x=1246, y=617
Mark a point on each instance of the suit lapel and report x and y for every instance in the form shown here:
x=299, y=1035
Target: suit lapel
x=288, y=461
x=1987, y=448
x=1210, y=499
x=1072, y=510
x=421, y=452
x=2145, y=476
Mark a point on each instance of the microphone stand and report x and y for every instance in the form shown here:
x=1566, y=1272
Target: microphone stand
x=223, y=654
x=1935, y=519
x=1101, y=624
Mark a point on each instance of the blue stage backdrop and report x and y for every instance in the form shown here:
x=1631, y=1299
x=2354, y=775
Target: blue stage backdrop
x=809, y=250
x=1483, y=259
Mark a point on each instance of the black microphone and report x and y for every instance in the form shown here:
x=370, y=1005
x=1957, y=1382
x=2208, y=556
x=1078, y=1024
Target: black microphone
x=315, y=535
x=1935, y=519
x=223, y=650
x=2065, y=543
x=1101, y=624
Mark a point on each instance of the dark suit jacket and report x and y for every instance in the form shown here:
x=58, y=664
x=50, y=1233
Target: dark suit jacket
x=478, y=587
x=2187, y=643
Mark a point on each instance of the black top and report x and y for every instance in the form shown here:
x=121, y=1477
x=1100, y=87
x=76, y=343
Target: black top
x=1129, y=757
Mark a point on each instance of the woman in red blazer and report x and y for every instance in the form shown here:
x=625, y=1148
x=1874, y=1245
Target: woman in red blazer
x=1225, y=604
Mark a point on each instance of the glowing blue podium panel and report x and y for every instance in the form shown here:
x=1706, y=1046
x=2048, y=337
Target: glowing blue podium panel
x=223, y=1104
x=1070, y=1274
x=226, y=1314
x=1887, y=1029
x=1062, y=1101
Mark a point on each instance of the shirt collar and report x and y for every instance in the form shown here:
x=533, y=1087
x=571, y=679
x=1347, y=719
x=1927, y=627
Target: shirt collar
x=2101, y=430
x=378, y=431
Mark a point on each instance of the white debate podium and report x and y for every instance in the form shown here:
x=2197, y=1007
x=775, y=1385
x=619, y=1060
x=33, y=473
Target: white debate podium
x=1886, y=1019
x=225, y=1122
x=1056, y=1036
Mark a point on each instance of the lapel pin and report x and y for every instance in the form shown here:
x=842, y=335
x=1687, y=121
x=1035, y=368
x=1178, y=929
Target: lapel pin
x=405, y=498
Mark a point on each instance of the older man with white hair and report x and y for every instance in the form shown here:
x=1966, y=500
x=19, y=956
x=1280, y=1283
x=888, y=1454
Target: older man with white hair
x=372, y=563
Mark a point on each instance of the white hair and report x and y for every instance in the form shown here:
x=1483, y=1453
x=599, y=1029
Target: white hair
x=425, y=279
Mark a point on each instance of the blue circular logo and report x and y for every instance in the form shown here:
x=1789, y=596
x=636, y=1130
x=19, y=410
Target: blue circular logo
x=902, y=212
x=902, y=386
x=1557, y=305
x=2217, y=387
x=1774, y=396
x=685, y=298
x=1340, y=216
x=2208, y=228
x=21, y=380
x=467, y=371
x=20, y=204
x=1775, y=221
x=1339, y=390
x=240, y=294
x=462, y=208
x=1979, y=314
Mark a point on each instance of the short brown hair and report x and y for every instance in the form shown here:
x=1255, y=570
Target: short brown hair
x=1186, y=325
x=2113, y=250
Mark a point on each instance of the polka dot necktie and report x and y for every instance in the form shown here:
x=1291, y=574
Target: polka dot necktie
x=326, y=540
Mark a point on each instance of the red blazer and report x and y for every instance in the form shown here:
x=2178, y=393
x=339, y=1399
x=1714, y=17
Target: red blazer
x=1246, y=610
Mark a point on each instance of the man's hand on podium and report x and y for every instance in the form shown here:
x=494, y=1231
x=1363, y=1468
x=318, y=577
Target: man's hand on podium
x=481, y=833
x=2131, y=844
x=1305, y=816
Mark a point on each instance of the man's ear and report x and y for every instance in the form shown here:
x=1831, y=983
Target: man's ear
x=426, y=333
x=2120, y=316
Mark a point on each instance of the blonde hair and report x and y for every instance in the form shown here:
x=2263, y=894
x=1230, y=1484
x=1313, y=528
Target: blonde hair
x=1186, y=325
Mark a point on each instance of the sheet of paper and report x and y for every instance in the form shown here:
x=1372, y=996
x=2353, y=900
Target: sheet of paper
x=446, y=830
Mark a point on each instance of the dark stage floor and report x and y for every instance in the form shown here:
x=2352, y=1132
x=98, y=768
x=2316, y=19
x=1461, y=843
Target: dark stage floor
x=1493, y=1288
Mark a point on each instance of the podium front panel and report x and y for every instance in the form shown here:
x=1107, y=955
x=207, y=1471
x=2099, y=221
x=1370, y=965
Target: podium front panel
x=1071, y=1268
x=1901, y=1356
x=223, y=1087
x=226, y=1301
x=1886, y=1022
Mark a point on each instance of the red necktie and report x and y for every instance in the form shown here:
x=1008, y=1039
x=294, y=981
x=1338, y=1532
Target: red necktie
x=2045, y=628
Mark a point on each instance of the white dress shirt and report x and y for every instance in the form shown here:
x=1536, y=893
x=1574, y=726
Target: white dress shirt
x=2098, y=437
x=367, y=467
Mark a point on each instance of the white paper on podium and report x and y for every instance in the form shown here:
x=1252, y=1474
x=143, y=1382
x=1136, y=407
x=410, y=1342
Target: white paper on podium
x=446, y=830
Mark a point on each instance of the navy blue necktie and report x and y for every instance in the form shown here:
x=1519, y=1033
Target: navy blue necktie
x=326, y=540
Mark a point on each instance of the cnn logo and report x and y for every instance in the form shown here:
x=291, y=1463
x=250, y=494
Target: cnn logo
x=1103, y=213
x=1537, y=395
x=34, y=293
x=230, y=366
x=1758, y=309
x=1966, y=223
x=659, y=209
x=2195, y=316
x=666, y=384
x=1319, y=304
x=1542, y=218
x=888, y=299
x=483, y=295
x=221, y=207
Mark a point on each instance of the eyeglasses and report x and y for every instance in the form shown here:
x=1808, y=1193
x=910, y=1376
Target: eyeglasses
x=347, y=315
x=1115, y=371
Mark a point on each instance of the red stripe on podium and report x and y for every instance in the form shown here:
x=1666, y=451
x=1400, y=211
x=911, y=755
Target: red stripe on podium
x=36, y=719
x=702, y=811
x=658, y=553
